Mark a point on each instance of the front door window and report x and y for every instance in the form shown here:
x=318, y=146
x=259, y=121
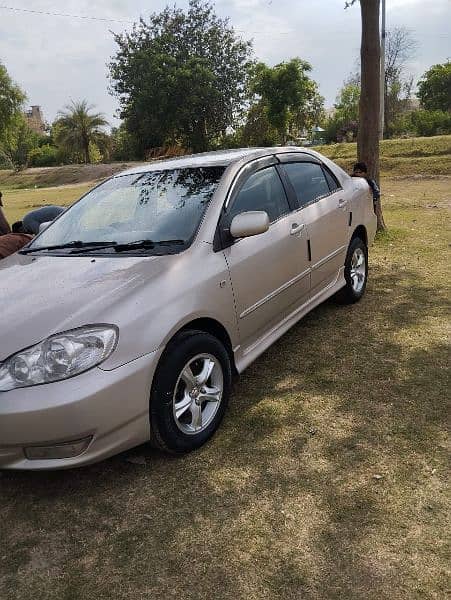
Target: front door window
x=262, y=191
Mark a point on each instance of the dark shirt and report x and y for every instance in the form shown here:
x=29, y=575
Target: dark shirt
x=35, y=218
x=374, y=188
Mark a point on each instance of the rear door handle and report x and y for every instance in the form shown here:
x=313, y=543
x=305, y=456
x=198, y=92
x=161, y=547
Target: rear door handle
x=342, y=203
x=295, y=228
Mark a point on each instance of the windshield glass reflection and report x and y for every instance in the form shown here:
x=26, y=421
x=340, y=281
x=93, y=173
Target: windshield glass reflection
x=158, y=205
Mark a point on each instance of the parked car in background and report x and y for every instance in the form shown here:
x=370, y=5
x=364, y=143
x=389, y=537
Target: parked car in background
x=125, y=319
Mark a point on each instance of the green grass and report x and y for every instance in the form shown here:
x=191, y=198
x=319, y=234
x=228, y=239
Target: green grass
x=18, y=202
x=420, y=156
x=424, y=146
x=327, y=479
x=413, y=156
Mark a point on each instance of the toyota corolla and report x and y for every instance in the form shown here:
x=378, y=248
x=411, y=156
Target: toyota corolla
x=124, y=321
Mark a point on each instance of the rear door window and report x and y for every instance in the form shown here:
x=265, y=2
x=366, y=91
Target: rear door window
x=308, y=181
x=331, y=180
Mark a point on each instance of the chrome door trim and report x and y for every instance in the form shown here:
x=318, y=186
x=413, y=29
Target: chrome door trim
x=287, y=322
x=274, y=293
x=328, y=257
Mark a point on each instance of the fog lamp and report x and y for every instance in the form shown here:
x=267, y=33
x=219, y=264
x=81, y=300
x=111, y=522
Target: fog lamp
x=64, y=450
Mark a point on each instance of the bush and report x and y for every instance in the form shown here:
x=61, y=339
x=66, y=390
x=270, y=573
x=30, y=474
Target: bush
x=431, y=122
x=95, y=156
x=43, y=156
x=122, y=143
x=423, y=123
x=340, y=130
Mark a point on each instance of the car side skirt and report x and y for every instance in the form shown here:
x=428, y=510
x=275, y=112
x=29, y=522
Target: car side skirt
x=244, y=357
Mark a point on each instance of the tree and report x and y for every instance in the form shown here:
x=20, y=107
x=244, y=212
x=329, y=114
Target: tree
x=369, y=106
x=13, y=129
x=20, y=141
x=342, y=125
x=288, y=97
x=347, y=104
x=400, y=47
x=77, y=129
x=12, y=99
x=180, y=77
x=258, y=131
x=17, y=142
x=434, y=88
x=122, y=144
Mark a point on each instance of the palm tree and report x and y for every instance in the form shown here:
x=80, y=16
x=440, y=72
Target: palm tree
x=77, y=128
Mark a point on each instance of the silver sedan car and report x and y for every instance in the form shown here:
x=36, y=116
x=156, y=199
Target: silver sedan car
x=125, y=319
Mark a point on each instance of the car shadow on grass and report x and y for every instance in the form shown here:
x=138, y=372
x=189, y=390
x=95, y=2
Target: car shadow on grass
x=308, y=490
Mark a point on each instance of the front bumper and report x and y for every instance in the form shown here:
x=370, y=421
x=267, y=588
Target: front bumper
x=109, y=408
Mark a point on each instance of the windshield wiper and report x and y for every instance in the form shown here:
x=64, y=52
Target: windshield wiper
x=73, y=244
x=80, y=247
x=146, y=244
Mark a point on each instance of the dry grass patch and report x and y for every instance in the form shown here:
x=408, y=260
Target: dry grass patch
x=327, y=479
x=37, y=177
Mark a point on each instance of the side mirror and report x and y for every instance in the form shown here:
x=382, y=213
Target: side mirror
x=43, y=226
x=249, y=223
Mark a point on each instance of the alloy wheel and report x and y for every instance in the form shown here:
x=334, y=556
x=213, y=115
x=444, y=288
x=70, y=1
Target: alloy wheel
x=358, y=270
x=198, y=393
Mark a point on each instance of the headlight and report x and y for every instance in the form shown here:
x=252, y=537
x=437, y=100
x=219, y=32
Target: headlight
x=58, y=357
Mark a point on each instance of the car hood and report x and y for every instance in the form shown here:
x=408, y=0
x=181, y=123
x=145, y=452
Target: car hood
x=42, y=295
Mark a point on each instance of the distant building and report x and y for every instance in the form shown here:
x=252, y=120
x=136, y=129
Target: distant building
x=412, y=104
x=330, y=112
x=35, y=119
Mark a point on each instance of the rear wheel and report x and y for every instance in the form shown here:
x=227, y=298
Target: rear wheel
x=356, y=272
x=190, y=392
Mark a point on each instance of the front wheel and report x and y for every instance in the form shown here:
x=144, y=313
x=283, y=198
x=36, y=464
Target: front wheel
x=356, y=272
x=190, y=392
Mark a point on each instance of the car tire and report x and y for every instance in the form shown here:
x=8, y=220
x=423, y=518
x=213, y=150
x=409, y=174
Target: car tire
x=356, y=273
x=190, y=392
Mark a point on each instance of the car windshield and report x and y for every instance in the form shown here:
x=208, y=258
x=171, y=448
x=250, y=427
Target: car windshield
x=156, y=206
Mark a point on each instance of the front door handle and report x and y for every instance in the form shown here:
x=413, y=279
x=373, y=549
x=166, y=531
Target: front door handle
x=295, y=228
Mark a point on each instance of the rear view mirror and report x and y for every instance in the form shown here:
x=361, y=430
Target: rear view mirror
x=249, y=223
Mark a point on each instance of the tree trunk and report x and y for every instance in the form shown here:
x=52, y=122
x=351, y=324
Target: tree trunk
x=369, y=107
x=198, y=140
x=86, y=149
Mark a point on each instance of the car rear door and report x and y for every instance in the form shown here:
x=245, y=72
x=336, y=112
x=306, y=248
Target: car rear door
x=270, y=271
x=324, y=210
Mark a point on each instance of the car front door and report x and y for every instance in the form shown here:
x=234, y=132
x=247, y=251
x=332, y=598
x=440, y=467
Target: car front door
x=270, y=272
x=325, y=212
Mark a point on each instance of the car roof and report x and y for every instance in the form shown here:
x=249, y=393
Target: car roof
x=212, y=159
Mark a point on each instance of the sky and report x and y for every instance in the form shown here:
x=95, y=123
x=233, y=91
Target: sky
x=57, y=59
